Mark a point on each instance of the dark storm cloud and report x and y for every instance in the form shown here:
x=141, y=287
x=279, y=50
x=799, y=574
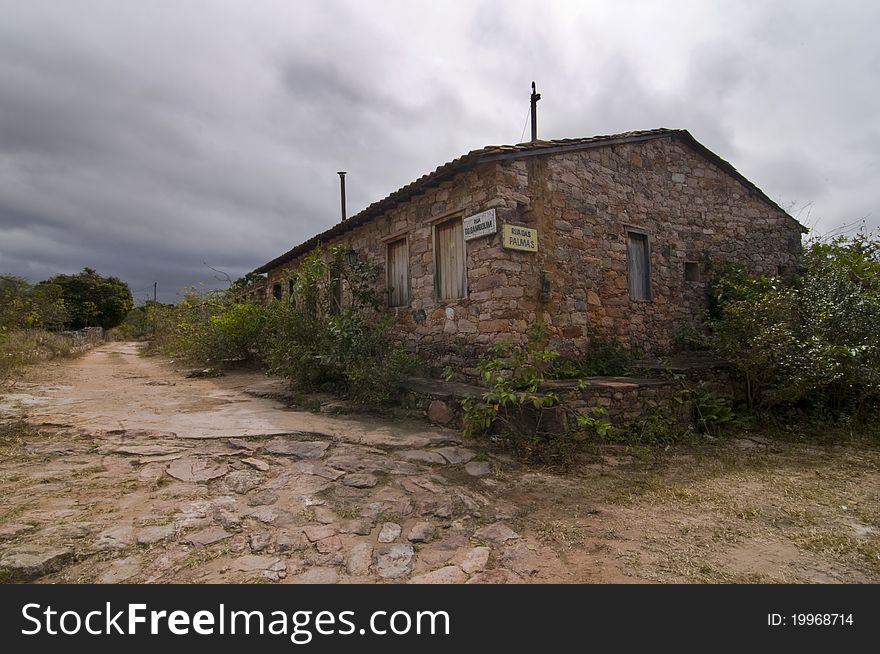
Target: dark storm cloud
x=143, y=139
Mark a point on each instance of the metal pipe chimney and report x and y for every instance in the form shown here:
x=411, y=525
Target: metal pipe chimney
x=535, y=97
x=341, y=174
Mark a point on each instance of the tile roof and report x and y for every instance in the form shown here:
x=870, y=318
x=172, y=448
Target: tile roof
x=498, y=153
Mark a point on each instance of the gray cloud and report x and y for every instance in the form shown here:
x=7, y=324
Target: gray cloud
x=142, y=139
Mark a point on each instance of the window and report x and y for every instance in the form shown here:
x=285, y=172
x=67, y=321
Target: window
x=398, y=273
x=335, y=289
x=692, y=271
x=276, y=291
x=451, y=273
x=638, y=266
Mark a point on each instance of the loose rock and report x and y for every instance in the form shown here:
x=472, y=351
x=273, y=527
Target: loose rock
x=29, y=562
x=451, y=574
x=389, y=532
x=262, y=497
x=474, y=560
x=422, y=532
x=257, y=464
x=259, y=541
x=497, y=533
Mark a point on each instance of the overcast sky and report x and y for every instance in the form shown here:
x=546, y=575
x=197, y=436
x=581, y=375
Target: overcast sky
x=145, y=138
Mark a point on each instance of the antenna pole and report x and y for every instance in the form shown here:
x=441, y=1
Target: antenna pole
x=535, y=97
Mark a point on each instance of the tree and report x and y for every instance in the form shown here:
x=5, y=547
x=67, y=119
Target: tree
x=92, y=300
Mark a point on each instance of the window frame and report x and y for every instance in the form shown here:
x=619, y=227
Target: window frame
x=643, y=233
x=455, y=218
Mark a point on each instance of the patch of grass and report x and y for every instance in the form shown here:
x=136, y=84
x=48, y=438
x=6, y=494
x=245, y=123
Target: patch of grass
x=562, y=534
x=200, y=556
x=842, y=546
x=349, y=511
x=14, y=432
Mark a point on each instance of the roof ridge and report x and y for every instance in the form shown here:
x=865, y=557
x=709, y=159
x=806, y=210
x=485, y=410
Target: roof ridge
x=496, y=152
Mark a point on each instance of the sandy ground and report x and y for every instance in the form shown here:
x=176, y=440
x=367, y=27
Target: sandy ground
x=128, y=471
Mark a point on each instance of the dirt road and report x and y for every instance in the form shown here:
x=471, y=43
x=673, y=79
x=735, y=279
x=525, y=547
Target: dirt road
x=128, y=471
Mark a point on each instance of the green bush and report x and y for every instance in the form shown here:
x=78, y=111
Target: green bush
x=321, y=345
x=811, y=341
x=210, y=328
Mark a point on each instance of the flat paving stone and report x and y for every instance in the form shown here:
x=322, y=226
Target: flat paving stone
x=393, y=561
x=207, y=537
x=120, y=570
x=519, y=558
x=300, y=449
x=263, y=497
x=266, y=567
x=423, y=456
x=155, y=534
x=360, y=480
x=115, y=538
x=455, y=455
x=196, y=470
x=14, y=530
x=318, y=470
x=315, y=533
x=317, y=576
x=360, y=560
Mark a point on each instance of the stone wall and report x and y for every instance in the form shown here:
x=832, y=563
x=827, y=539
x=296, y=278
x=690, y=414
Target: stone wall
x=581, y=203
x=692, y=211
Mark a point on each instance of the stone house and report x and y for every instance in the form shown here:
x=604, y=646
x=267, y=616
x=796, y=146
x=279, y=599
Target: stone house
x=606, y=235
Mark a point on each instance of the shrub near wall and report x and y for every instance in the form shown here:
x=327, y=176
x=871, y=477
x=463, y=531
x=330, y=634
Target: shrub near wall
x=347, y=348
x=812, y=342
x=306, y=337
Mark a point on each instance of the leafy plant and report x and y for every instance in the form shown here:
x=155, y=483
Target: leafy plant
x=605, y=356
x=595, y=421
x=318, y=343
